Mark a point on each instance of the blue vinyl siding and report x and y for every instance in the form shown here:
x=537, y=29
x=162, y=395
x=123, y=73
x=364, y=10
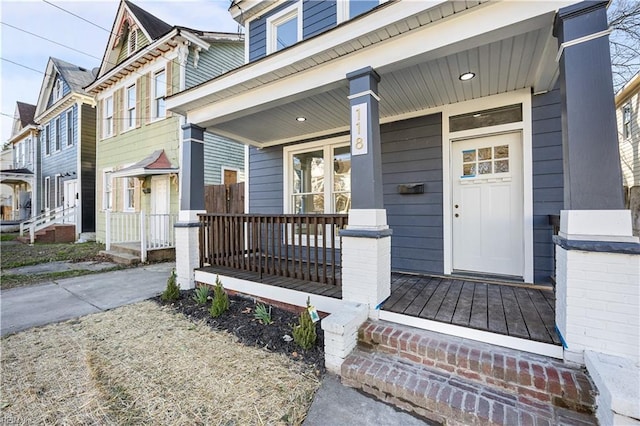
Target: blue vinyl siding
x=266, y=180
x=548, y=185
x=412, y=153
x=318, y=16
x=64, y=161
x=218, y=153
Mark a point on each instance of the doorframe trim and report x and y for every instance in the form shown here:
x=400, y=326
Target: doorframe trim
x=522, y=96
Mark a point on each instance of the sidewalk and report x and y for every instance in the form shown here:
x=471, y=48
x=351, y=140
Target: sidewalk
x=22, y=308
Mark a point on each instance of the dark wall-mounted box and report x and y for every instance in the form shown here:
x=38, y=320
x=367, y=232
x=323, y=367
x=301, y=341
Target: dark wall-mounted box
x=411, y=188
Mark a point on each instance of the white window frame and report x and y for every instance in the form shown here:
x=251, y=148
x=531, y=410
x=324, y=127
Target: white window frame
x=47, y=193
x=57, y=138
x=47, y=139
x=107, y=190
x=156, y=98
x=327, y=145
x=131, y=109
x=107, y=131
x=343, y=9
x=129, y=192
x=69, y=117
x=281, y=17
x=57, y=90
x=57, y=188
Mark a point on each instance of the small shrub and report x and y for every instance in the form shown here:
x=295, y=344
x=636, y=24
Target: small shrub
x=262, y=314
x=220, y=300
x=172, y=292
x=304, y=334
x=201, y=295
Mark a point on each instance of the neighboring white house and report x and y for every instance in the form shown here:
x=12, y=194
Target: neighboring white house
x=627, y=108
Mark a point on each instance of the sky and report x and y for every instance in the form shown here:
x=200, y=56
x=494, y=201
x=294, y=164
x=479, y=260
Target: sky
x=38, y=17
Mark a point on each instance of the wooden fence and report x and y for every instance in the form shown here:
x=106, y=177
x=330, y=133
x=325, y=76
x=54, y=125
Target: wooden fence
x=224, y=198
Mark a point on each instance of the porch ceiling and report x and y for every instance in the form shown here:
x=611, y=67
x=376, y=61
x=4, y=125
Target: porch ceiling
x=506, y=65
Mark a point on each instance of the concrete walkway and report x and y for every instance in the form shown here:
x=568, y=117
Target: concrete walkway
x=59, y=266
x=26, y=307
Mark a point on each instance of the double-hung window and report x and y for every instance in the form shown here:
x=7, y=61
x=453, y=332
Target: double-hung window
x=47, y=140
x=318, y=178
x=284, y=28
x=108, y=117
x=159, y=92
x=47, y=193
x=70, y=127
x=129, y=194
x=107, y=182
x=131, y=106
x=58, y=190
x=58, y=132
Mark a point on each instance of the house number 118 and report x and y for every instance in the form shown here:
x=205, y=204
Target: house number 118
x=359, y=129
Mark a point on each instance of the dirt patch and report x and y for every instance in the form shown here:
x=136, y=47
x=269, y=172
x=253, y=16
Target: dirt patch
x=143, y=364
x=240, y=321
x=16, y=255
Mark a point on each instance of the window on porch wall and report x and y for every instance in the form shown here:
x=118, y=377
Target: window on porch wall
x=108, y=182
x=129, y=195
x=320, y=182
x=58, y=189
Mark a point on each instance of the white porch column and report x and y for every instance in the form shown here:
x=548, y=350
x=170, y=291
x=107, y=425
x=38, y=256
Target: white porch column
x=598, y=306
x=191, y=204
x=366, y=243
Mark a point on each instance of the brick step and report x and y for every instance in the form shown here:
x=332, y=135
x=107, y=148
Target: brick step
x=535, y=377
x=52, y=234
x=121, y=257
x=446, y=397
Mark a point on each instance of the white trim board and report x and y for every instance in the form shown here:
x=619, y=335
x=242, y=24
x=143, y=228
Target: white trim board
x=280, y=294
x=522, y=96
x=545, y=349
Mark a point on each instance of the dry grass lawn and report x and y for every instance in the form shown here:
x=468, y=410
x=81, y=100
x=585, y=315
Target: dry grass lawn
x=142, y=364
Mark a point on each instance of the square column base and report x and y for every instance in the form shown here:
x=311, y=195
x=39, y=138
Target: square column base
x=187, y=253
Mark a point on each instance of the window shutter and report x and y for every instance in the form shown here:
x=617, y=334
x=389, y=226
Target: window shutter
x=99, y=120
x=169, y=75
x=147, y=98
x=138, y=101
x=116, y=112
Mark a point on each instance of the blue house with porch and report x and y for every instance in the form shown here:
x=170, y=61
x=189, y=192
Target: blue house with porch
x=407, y=164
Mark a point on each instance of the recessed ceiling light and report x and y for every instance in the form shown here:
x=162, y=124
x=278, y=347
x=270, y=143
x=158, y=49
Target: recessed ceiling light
x=301, y=119
x=467, y=76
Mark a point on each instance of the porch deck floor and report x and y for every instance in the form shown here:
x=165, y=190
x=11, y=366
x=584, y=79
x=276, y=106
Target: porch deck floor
x=328, y=290
x=516, y=311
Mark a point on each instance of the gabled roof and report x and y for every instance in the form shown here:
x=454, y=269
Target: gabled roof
x=151, y=26
x=75, y=76
x=156, y=163
x=154, y=26
x=26, y=113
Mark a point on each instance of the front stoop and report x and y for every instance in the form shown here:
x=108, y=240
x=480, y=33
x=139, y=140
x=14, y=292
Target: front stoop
x=458, y=381
x=56, y=233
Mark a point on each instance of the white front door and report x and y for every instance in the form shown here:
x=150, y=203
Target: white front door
x=159, y=218
x=71, y=196
x=487, y=205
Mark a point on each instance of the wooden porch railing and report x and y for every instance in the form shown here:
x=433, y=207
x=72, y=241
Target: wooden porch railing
x=299, y=246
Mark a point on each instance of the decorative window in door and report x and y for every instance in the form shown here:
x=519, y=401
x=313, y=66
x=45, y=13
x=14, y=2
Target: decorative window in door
x=491, y=161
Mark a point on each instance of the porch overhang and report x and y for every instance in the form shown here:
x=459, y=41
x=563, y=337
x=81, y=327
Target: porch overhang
x=156, y=163
x=418, y=48
x=16, y=177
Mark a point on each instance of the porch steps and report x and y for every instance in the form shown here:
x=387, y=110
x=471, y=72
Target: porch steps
x=462, y=382
x=57, y=233
x=121, y=257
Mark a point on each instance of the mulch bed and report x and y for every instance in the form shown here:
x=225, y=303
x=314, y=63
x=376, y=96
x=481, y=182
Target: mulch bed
x=239, y=320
